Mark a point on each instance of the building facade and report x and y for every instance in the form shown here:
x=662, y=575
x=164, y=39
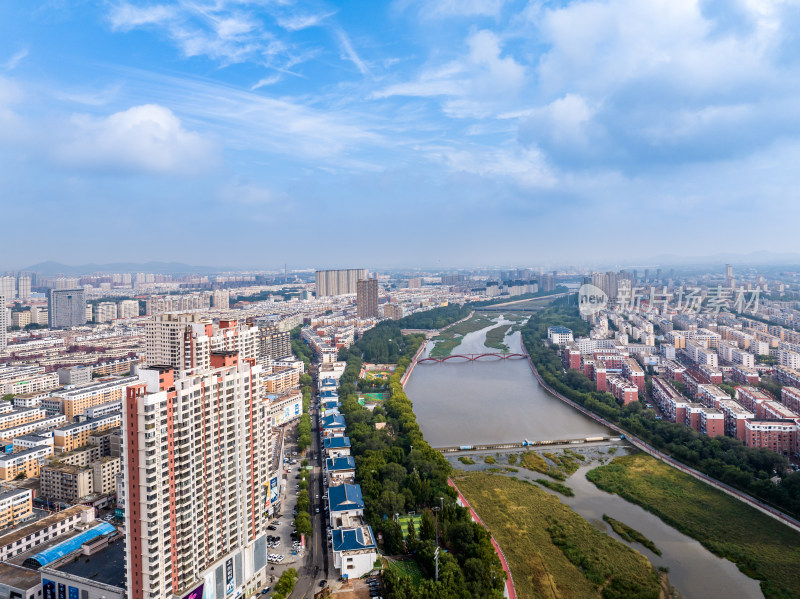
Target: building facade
x=66, y=308
x=367, y=298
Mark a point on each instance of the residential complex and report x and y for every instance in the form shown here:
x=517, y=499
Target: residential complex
x=338, y=282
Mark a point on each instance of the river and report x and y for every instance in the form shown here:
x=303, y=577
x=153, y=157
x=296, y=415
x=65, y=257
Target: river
x=492, y=402
x=467, y=403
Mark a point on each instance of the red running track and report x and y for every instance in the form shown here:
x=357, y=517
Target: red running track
x=512, y=593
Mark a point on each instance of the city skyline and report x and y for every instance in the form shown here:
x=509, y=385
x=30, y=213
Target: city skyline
x=487, y=121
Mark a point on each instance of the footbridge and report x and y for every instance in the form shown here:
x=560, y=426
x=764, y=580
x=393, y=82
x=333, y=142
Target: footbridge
x=526, y=443
x=473, y=357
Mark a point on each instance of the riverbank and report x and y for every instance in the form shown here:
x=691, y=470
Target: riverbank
x=448, y=339
x=762, y=548
x=552, y=551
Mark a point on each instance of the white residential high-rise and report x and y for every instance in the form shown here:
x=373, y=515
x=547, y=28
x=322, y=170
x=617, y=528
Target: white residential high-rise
x=198, y=486
x=3, y=322
x=8, y=288
x=128, y=309
x=24, y=287
x=185, y=341
x=339, y=282
x=66, y=308
x=221, y=299
x=105, y=312
x=197, y=480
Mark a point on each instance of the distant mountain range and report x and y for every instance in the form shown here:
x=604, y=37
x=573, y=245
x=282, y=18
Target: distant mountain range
x=52, y=268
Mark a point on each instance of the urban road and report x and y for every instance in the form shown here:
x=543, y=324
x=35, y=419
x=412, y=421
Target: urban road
x=318, y=564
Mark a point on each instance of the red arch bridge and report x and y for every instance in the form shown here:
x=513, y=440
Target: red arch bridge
x=472, y=358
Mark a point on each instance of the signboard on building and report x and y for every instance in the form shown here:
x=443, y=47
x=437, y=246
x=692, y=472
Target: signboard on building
x=197, y=593
x=273, y=490
x=229, y=576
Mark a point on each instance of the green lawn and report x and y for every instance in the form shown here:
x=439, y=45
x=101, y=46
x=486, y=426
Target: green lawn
x=404, y=520
x=408, y=568
x=553, y=552
x=762, y=547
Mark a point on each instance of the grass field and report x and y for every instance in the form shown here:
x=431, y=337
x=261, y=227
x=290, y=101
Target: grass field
x=553, y=552
x=533, y=461
x=556, y=486
x=762, y=547
x=407, y=568
x=630, y=534
x=404, y=520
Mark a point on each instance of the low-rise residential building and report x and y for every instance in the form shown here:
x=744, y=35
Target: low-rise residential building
x=18, y=417
x=779, y=436
x=711, y=395
x=16, y=507
x=22, y=540
x=712, y=422
x=790, y=397
x=333, y=425
x=341, y=469
x=773, y=410
x=699, y=354
x=559, y=335
x=76, y=401
x=751, y=398
x=104, y=475
x=28, y=462
x=735, y=416
x=672, y=404
x=632, y=371
x=745, y=376
x=75, y=436
x=65, y=483
x=354, y=550
x=336, y=447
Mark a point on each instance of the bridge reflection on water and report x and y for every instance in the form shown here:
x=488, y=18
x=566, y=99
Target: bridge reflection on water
x=472, y=357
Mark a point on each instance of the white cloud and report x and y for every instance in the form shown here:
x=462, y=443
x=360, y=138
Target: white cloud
x=125, y=17
x=299, y=22
x=455, y=8
x=525, y=167
x=229, y=32
x=15, y=59
x=142, y=139
x=350, y=54
x=255, y=122
x=476, y=85
x=271, y=80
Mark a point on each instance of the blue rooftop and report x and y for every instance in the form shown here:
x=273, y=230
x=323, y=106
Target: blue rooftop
x=344, y=498
x=56, y=552
x=333, y=421
x=328, y=382
x=353, y=539
x=559, y=330
x=328, y=394
x=340, y=463
x=336, y=443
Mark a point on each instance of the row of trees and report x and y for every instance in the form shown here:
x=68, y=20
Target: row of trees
x=400, y=472
x=723, y=458
x=386, y=344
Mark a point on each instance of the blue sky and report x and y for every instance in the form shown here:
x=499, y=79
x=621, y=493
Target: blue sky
x=414, y=132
